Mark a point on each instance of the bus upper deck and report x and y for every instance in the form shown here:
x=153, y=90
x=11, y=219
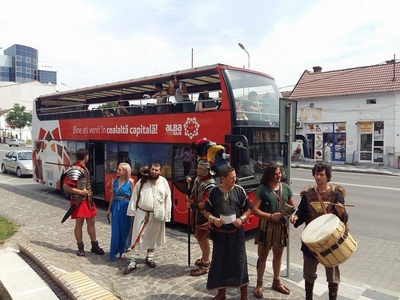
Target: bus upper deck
x=254, y=96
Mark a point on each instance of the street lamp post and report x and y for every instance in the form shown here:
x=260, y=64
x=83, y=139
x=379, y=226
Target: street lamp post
x=248, y=55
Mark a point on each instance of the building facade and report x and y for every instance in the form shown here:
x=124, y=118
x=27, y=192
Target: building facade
x=351, y=115
x=21, y=64
x=22, y=78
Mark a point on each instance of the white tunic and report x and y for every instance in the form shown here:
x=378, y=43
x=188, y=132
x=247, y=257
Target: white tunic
x=154, y=232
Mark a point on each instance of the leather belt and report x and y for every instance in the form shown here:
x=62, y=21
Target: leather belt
x=224, y=231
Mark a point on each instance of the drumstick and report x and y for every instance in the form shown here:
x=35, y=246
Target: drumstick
x=349, y=205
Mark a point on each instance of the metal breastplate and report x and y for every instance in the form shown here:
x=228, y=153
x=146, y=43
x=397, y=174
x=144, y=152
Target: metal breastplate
x=201, y=187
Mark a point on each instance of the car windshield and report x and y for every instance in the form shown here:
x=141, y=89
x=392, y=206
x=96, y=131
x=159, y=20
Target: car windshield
x=25, y=155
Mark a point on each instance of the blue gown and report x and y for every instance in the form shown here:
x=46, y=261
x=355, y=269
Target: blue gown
x=120, y=222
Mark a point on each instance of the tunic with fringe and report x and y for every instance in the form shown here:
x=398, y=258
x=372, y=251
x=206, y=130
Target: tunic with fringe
x=310, y=208
x=229, y=262
x=272, y=234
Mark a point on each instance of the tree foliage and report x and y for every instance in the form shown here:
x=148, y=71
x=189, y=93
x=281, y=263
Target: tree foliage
x=17, y=117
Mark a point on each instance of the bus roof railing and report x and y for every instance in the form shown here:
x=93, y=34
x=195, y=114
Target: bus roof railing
x=196, y=80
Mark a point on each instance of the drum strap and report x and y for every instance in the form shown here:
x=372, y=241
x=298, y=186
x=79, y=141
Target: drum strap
x=320, y=200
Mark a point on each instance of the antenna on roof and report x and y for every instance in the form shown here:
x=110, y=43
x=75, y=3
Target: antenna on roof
x=393, y=61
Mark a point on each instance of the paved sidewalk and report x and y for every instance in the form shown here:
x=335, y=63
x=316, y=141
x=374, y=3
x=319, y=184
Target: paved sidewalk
x=45, y=237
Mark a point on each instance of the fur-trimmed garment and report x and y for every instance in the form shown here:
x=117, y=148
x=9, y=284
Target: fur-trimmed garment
x=310, y=207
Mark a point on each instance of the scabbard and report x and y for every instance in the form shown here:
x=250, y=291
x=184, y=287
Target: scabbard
x=71, y=209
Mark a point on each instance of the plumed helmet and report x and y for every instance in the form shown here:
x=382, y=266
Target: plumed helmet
x=206, y=166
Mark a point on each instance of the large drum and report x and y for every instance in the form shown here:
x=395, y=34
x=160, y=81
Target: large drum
x=330, y=241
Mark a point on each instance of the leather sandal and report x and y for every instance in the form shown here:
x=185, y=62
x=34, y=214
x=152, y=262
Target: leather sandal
x=199, y=262
x=279, y=287
x=258, y=292
x=199, y=271
x=130, y=268
x=150, y=263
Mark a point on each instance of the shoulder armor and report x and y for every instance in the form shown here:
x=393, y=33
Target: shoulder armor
x=74, y=173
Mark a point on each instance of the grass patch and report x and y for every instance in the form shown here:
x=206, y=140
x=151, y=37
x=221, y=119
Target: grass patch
x=7, y=229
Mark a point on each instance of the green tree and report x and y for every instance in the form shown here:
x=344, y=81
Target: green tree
x=17, y=117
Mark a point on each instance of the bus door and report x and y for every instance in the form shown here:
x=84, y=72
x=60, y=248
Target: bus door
x=96, y=168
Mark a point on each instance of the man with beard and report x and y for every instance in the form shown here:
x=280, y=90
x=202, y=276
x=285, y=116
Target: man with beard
x=203, y=184
x=148, y=231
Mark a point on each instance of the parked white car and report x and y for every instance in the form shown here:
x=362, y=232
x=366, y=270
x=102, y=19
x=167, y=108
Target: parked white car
x=16, y=143
x=18, y=162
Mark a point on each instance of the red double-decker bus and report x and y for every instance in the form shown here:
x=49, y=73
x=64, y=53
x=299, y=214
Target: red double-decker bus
x=243, y=117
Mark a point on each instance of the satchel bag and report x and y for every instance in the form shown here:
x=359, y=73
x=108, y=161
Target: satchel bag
x=159, y=210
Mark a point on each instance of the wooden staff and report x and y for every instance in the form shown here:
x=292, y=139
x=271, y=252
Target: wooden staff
x=188, y=180
x=337, y=204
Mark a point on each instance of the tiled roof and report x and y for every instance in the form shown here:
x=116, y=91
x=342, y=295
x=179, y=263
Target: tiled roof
x=360, y=80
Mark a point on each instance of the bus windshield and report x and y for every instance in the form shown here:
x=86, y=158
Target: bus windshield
x=256, y=98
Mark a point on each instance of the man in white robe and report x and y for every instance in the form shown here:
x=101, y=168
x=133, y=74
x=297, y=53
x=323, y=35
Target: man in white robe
x=147, y=231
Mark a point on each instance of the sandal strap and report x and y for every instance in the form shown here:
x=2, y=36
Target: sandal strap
x=199, y=271
x=258, y=291
x=279, y=287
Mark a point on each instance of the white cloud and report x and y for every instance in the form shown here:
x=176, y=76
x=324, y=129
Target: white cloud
x=95, y=42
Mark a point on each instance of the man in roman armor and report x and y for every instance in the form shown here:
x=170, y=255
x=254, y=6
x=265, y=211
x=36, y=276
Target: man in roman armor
x=203, y=184
x=77, y=183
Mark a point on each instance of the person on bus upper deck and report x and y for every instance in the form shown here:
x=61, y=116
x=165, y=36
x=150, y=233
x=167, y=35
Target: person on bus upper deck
x=107, y=113
x=178, y=89
x=122, y=108
x=205, y=102
x=161, y=98
x=240, y=115
x=250, y=104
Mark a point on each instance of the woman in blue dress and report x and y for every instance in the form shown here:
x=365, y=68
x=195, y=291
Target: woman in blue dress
x=119, y=201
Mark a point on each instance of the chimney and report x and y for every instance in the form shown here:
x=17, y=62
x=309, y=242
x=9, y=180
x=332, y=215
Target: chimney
x=317, y=69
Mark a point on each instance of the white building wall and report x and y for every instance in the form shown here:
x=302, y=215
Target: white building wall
x=354, y=109
x=23, y=94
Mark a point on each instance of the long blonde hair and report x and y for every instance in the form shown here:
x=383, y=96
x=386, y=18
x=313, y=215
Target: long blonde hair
x=127, y=168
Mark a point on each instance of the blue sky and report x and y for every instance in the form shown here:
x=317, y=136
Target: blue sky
x=95, y=41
